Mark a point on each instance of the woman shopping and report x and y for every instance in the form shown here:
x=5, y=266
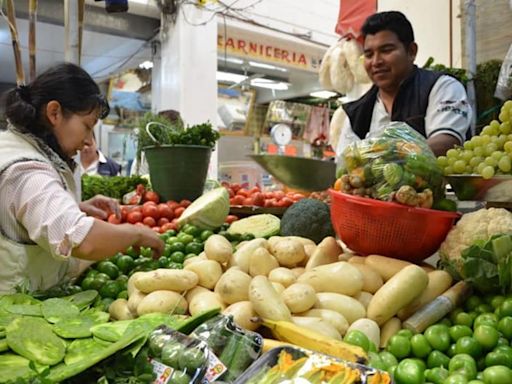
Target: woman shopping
x=44, y=228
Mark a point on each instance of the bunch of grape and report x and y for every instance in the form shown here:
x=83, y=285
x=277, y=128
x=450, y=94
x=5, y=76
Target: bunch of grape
x=487, y=154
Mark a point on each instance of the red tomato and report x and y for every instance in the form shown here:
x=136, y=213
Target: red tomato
x=151, y=196
x=140, y=224
x=175, y=221
x=149, y=203
x=232, y=201
x=162, y=221
x=279, y=195
x=231, y=218
x=150, y=210
x=238, y=200
x=178, y=211
x=243, y=192
x=124, y=213
x=165, y=211
x=137, y=208
x=268, y=203
x=253, y=190
x=185, y=203
x=235, y=187
x=173, y=204
x=168, y=227
x=248, y=201
x=298, y=196
x=157, y=229
x=149, y=221
x=112, y=219
x=286, y=201
x=230, y=192
x=269, y=195
x=258, y=199
x=134, y=217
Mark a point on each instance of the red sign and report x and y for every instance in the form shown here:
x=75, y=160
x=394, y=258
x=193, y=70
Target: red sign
x=352, y=16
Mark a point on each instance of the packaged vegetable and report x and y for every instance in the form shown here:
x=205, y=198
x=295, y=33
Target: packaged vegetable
x=187, y=357
x=235, y=347
x=396, y=166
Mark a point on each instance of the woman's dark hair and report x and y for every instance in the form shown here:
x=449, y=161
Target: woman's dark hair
x=67, y=83
x=393, y=21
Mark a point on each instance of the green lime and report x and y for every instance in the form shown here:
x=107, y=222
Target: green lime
x=110, y=290
x=108, y=268
x=194, y=247
x=163, y=262
x=177, y=246
x=191, y=230
x=177, y=257
x=172, y=239
x=125, y=263
x=205, y=234
x=87, y=283
x=185, y=238
x=123, y=295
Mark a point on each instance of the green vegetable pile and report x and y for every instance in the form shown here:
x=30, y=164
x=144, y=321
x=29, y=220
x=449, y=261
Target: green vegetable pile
x=472, y=345
x=113, y=186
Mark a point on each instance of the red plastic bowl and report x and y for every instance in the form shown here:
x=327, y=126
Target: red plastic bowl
x=369, y=226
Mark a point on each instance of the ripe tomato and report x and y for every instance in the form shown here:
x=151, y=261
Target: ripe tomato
x=136, y=208
x=162, y=221
x=258, y=199
x=150, y=210
x=157, y=229
x=140, y=224
x=286, y=201
x=298, y=196
x=124, y=213
x=185, y=203
x=178, y=212
x=149, y=221
x=248, y=201
x=151, y=196
x=235, y=187
x=253, y=190
x=165, y=211
x=173, y=204
x=112, y=219
x=279, y=195
x=238, y=200
x=134, y=217
x=168, y=227
x=269, y=195
x=231, y=218
x=243, y=192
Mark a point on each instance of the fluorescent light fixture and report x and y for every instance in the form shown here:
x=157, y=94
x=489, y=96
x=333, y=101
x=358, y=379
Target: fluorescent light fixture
x=266, y=66
x=269, y=84
x=146, y=64
x=232, y=60
x=323, y=94
x=230, y=77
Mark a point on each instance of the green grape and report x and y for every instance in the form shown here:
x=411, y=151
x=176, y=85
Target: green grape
x=442, y=161
x=495, y=124
x=486, y=140
x=504, y=164
x=497, y=155
x=467, y=155
x=468, y=169
x=480, y=167
x=509, y=137
x=508, y=147
x=452, y=160
x=448, y=170
x=475, y=161
x=479, y=151
x=491, y=161
x=505, y=127
x=503, y=116
x=487, y=131
x=459, y=166
x=487, y=172
x=468, y=145
x=507, y=105
x=477, y=141
x=502, y=139
x=490, y=148
x=452, y=153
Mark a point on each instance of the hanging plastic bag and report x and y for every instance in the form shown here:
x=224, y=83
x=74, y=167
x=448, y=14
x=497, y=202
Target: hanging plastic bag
x=504, y=84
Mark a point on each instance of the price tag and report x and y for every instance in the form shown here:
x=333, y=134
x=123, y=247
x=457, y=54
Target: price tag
x=163, y=372
x=215, y=369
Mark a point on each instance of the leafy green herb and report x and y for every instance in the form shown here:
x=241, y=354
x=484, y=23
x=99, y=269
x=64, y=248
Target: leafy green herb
x=113, y=186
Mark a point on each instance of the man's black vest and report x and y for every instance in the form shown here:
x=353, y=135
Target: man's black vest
x=410, y=104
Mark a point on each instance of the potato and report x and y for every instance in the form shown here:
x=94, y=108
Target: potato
x=309, y=250
x=340, y=277
x=278, y=287
x=364, y=298
x=299, y=297
x=372, y=281
x=218, y=248
x=297, y=271
x=204, y=301
x=345, y=256
x=318, y=325
x=388, y=329
x=118, y=310
x=387, y=267
x=261, y=262
x=289, y=252
x=369, y=327
x=193, y=292
x=326, y=252
x=303, y=240
x=208, y=272
x=166, y=279
x=195, y=259
x=242, y=313
x=334, y=318
x=233, y=286
x=282, y=276
x=354, y=259
x=266, y=301
x=241, y=257
x=130, y=285
x=163, y=302
x=350, y=308
x=134, y=300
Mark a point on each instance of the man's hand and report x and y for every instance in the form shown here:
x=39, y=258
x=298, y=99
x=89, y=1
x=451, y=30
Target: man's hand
x=440, y=144
x=101, y=207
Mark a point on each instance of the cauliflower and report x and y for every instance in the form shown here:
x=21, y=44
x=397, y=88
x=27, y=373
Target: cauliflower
x=474, y=226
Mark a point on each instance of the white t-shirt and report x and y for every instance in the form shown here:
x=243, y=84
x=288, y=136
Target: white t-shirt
x=448, y=111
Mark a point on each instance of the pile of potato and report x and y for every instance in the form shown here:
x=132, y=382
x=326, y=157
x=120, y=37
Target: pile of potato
x=287, y=278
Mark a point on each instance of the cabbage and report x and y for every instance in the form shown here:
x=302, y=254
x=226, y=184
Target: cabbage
x=208, y=211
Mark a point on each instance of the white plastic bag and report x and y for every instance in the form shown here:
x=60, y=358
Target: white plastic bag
x=504, y=85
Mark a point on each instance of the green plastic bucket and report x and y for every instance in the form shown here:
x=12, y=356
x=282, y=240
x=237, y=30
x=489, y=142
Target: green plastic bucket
x=178, y=171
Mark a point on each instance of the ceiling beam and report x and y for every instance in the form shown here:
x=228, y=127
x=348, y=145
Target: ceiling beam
x=96, y=19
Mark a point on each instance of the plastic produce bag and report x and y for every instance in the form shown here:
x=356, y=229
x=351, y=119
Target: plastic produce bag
x=177, y=358
x=235, y=347
x=504, y=84
x=396, y=166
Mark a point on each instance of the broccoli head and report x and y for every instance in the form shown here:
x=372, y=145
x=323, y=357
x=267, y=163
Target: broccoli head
x=308, y=218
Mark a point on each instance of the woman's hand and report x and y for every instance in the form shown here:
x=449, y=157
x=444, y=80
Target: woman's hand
x=101, y=207
x=149, y=239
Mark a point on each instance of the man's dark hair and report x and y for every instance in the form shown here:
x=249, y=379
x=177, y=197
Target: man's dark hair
x=393, y=21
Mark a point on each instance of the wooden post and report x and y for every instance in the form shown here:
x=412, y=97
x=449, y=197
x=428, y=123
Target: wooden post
x=32, y=38
x=81, y=13
x=11, y=16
